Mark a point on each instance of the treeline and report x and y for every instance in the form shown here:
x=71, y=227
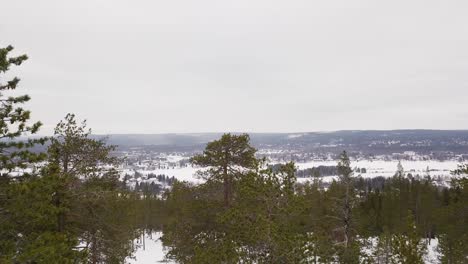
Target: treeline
x=318, y=171
x=248, y=212
x=163, y=182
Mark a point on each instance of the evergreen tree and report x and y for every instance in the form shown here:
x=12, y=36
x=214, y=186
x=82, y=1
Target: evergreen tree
x=400, y=170
x=345, y=176
x=317, y=228
x=383, y=250
x=32, y=226
x=76, y=157
x=264, y=221
x=15, y=155
x=90, y=193
x=453, y=221
x=226, y=159
x=347, y=246
x=14, y=121
x=407, y=246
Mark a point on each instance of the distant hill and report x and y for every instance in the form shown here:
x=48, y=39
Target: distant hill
x=366, y=141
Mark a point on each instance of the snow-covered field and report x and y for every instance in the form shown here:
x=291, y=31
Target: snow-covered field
x=388, y=168
x=374, y=168
x=384, y=168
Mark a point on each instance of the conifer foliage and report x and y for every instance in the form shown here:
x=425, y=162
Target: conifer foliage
x=275, y=219
x=226, y=158
x=14, y=120
x=73, y=209
x=15, y=156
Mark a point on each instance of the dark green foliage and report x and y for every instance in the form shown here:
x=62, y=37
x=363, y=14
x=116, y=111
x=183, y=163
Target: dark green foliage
x=407, y=246
x=273, y=219
x=32, y=233
x=192, y=216
x=92, y=203
x=264, y=220
x=74, y=153
x=344, y=203
x=383, y=250
x=453, y=237
x=75, y=211
x=226, y=159
x=15, y=155
x=14, y=121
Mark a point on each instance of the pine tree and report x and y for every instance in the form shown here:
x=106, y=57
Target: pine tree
x=91, y=202
x=407, y=247
x=14, y=122
x=453, y=221
x=226, y=159
x=15, y=155
x=75, y=156
x=317, y=227
x=32, y=228
x=264, y=222
x=347, y=247
x=345, y=176
x=400, y=170
x=383, y=251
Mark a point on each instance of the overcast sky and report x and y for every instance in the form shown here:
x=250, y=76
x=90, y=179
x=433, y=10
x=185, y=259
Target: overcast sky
x=255, y=66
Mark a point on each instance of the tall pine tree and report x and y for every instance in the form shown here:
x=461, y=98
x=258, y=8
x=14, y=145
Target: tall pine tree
x=226, y=158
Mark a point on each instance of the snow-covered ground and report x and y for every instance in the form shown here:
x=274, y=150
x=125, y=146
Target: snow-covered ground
x=374, y=168
x=388, y=168
x=432, y=255
x=152, y=252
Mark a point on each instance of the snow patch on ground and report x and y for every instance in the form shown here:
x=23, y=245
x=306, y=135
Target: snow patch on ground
x=432, y=254
x=152, y=253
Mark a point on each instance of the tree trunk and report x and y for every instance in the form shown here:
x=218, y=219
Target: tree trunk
x=94, y=257
x=226, y=187
x=347, y=216
x=58, y=201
